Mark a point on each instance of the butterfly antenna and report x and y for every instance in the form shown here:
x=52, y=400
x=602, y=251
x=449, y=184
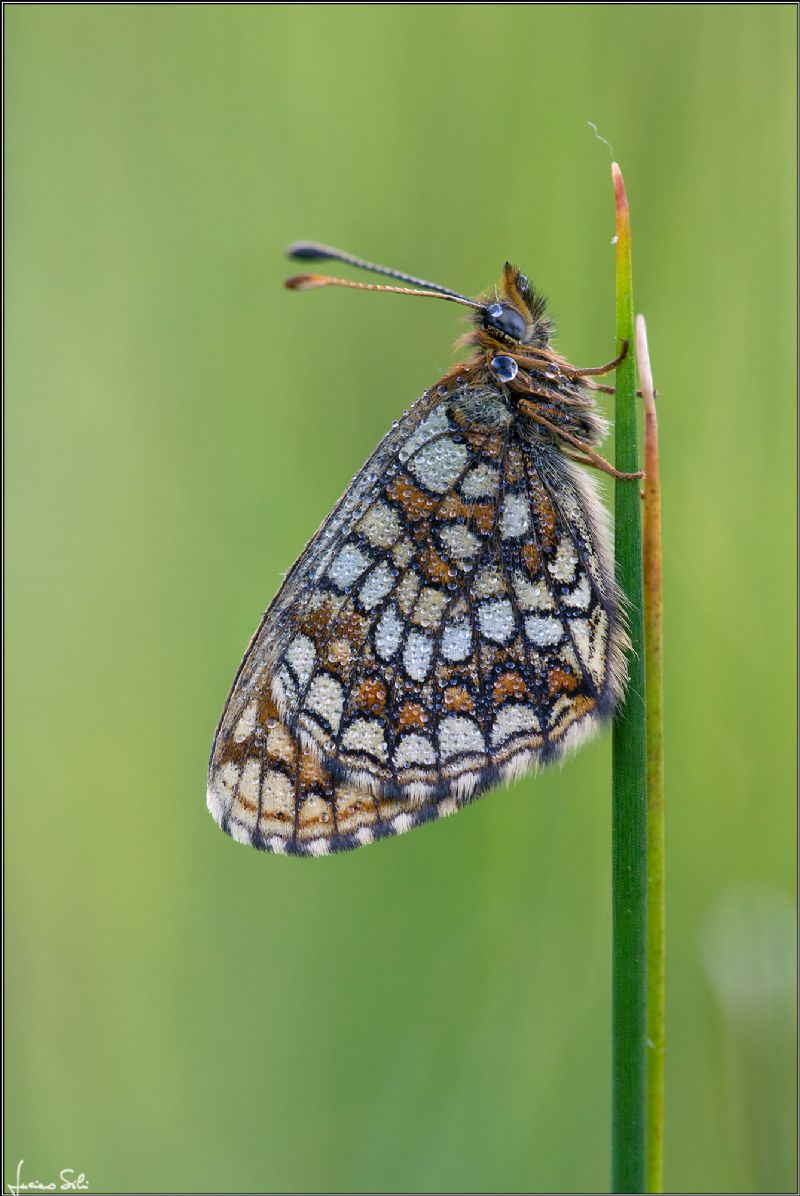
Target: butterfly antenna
x=313, y=252
x=309, y=282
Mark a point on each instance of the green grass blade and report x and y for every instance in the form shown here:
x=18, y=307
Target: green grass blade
x=629, y=779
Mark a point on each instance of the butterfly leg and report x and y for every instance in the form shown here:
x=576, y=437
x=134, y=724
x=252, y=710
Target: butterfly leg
x=538, y=359
x=593, y=457
x=597, y=370
x=598, y=462
x=611, y=390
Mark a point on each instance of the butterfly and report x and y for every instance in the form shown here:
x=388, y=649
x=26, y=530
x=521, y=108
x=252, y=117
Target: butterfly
x=455, y=622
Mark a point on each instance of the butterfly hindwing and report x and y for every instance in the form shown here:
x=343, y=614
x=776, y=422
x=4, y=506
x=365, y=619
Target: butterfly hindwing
x=268, y=791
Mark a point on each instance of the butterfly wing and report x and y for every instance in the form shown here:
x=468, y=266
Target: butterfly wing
x=453, y=622
x=268, y=791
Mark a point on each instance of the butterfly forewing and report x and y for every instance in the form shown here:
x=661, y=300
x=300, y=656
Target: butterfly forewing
x=452, y=623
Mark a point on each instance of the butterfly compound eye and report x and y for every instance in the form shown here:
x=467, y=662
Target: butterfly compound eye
x=499, y=317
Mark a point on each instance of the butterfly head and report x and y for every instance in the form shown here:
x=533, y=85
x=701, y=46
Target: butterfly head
x=514, y=314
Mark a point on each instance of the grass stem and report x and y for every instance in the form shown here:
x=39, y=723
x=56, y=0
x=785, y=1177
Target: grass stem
x=653, y=612
x=629, y=768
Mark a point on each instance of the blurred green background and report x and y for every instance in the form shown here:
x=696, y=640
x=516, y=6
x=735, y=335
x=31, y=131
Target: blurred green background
x=431, y=1013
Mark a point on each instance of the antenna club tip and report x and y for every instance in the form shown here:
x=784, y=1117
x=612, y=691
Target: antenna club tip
x=307, y=250
x=304, y=282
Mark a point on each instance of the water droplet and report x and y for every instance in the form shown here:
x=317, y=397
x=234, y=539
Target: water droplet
x=505, y=368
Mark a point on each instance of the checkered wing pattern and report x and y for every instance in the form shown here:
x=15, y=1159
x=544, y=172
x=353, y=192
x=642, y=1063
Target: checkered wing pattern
x=454, y=623
x=269, y=791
